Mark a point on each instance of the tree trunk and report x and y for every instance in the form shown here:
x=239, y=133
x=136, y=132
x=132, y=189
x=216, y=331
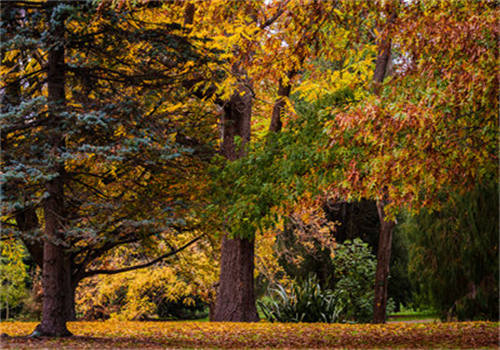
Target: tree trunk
x=279, y=105
x=54, y=270
x=27, y=221
x=235, y=297
x=69, y=292
x=386, y=227
x=383, y=262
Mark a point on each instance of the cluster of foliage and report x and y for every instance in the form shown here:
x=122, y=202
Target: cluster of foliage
x=306, y=302
x=454, y=255
x=13, y=275
x=300, y=254
x=230, y=335
x=349, y=300
x=180, y=287
x=354, y=274
x=433, y=129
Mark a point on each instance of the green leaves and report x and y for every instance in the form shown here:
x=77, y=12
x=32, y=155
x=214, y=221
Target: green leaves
x=306, y=302
x=454, y=254
x=277, y=171
x=355, y=275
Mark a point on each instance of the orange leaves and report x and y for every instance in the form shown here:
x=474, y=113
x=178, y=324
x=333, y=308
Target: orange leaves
x=434, y=128
x=258, y=335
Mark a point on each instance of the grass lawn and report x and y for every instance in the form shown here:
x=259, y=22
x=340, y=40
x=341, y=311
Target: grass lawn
x=161, y=335
x=424, y=316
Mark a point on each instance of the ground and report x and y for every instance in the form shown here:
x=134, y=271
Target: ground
x=162, y=335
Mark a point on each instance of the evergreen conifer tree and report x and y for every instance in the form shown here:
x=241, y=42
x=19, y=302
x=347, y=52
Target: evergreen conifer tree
x=89, y=151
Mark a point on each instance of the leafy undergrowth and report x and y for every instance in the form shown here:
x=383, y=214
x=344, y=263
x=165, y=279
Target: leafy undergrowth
x=156, y=335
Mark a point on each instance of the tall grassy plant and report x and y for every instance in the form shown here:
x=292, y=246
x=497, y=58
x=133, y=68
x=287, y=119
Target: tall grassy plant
x=306, y=302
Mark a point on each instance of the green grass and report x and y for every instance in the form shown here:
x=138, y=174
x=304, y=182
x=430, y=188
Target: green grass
x=412, y=315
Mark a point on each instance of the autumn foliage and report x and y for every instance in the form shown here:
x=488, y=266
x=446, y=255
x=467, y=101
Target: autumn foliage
x=110, y=335
x=152, y=150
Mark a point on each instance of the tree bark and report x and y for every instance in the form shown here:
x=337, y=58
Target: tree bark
x=69, y=291
x=54, y=272
x=27, y=221
x=386, y=227
x=235, y=300
x=383, y=263
x=279, y=105
x=54, y=277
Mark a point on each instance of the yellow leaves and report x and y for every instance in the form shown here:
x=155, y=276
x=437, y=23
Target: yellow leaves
x=174, y=108
x=136, y=294
x=120, y=130
x=356, y=74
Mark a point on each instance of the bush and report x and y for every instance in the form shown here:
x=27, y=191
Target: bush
x=306, y=302
x=155, y=292
x=354, y=280
x=186, y=308
x=351, y=299
x=13, y=275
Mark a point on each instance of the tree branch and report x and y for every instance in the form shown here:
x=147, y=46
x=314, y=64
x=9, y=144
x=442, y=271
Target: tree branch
x=140, y=266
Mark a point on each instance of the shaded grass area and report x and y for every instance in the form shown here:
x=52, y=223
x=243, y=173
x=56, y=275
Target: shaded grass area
x=414, y=316
x=156, y=335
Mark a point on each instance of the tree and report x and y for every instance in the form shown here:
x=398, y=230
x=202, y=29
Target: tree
x=14, y=273
x=450, y=113
x=77, y=146
x=284, y=41
x=386, y=225
x=235, y=300
x=454, y=254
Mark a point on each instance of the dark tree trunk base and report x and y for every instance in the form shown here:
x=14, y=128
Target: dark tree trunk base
x=383, y=262
x=235, y=298
x=41, y=332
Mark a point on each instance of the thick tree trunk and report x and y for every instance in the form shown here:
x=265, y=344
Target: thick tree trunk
x=235, y=297
x=54, y=272
x=27, y=221
x=236, y=123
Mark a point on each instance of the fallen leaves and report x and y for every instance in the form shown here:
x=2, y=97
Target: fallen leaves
x=154, y=335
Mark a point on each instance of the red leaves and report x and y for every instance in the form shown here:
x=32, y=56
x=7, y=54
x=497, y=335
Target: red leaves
x=435, y=129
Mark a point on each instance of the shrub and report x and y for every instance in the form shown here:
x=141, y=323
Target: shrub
x=158, y=291
x=306, y=302
x=354, y=280
x=13, y=273
x=351, y=299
